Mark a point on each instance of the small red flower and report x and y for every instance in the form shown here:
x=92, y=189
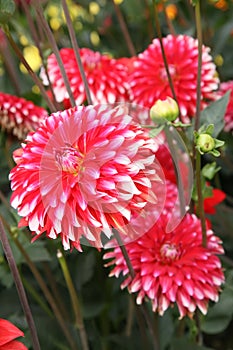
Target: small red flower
x=8, y=332
x=19, y=116
x=211, y=202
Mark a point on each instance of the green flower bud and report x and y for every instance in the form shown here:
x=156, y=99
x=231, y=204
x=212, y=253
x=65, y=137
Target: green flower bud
x=166, y=110
x=205, y=143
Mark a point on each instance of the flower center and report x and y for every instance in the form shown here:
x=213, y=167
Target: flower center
x=69, y=159
x=169, y=251
x=91, y=60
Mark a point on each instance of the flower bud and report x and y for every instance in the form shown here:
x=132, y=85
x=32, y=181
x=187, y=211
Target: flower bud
x=205, y=143
x=164, y=110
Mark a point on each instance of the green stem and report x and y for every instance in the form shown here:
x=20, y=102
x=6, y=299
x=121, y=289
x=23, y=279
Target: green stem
x=37, y=297
x=38, y=43
x=76, y=50
x=34, y=77
x=179, y=181
x=142, y=310
x=74, y=299
x=199, y=38
x=19, y=286
x=124, y=29
x=46, y=292
x=200, y=201
x=158, y=28
x=55, y=49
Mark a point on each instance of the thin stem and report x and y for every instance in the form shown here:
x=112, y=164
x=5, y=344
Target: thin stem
x=76, y=50
x=168, y=20
x=37, y=297
x=129, y=322
x=149, y=20
x=124, y=29
x=10, y=68
x=55, y=49
x=142, y=307
x=199, y=337
x=46, y=292
x=175, y=160
x=55, y=290
x=199, y=38
x=200, y=204
x=74, y=299
x=158, y=28
x=38, y=43
x=36, y=80
x=19, y=286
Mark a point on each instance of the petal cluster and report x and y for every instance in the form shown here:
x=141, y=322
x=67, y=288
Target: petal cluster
x=84, y=171
x=149, y=81
x=224, y=87
x=19, y=116
x=8, y=334
x=106, y=77
x=172, y=268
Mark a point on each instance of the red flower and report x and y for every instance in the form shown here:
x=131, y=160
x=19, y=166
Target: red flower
x=224, y=87
x=19, y=116
x=211, y=202
x=84, y=171
x=172, y=267
x=8, y=332
x=149, y=80
x=107, y=77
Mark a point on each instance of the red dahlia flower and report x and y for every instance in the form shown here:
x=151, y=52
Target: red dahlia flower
x=84, y=171
x=172, y=267
x=149, y=80
x=8, y=332
x=107, y=77
x=19, y=116
x=224, y=87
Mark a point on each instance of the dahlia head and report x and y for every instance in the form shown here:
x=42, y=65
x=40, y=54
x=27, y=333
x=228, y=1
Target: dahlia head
x=19, y=116
x=172, y=268
x=149, y=82
x=106, y=77
x=85, y=171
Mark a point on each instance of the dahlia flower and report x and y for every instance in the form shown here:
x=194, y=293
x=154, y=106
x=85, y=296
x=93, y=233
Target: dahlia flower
x=8, y=333
x=172, y=268
x=19, y=116
x=224, y=87
x=107, y=77
x=149, y=80
x=84, y=171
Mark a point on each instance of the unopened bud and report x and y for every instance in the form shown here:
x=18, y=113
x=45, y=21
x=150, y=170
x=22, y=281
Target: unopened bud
x=164, y=110
x=205, y=143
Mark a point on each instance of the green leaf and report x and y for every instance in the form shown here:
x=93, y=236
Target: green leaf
x=210, y=170
x=186, y=344
x=214, y=114
x=7, y=9
x=154, y=132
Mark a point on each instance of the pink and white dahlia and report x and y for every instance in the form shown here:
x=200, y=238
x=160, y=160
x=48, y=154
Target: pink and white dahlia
x=172, y=268
x=85, y=171
x=149, y=80
x=19, y=116
x=224, y=87
x=107, y=77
